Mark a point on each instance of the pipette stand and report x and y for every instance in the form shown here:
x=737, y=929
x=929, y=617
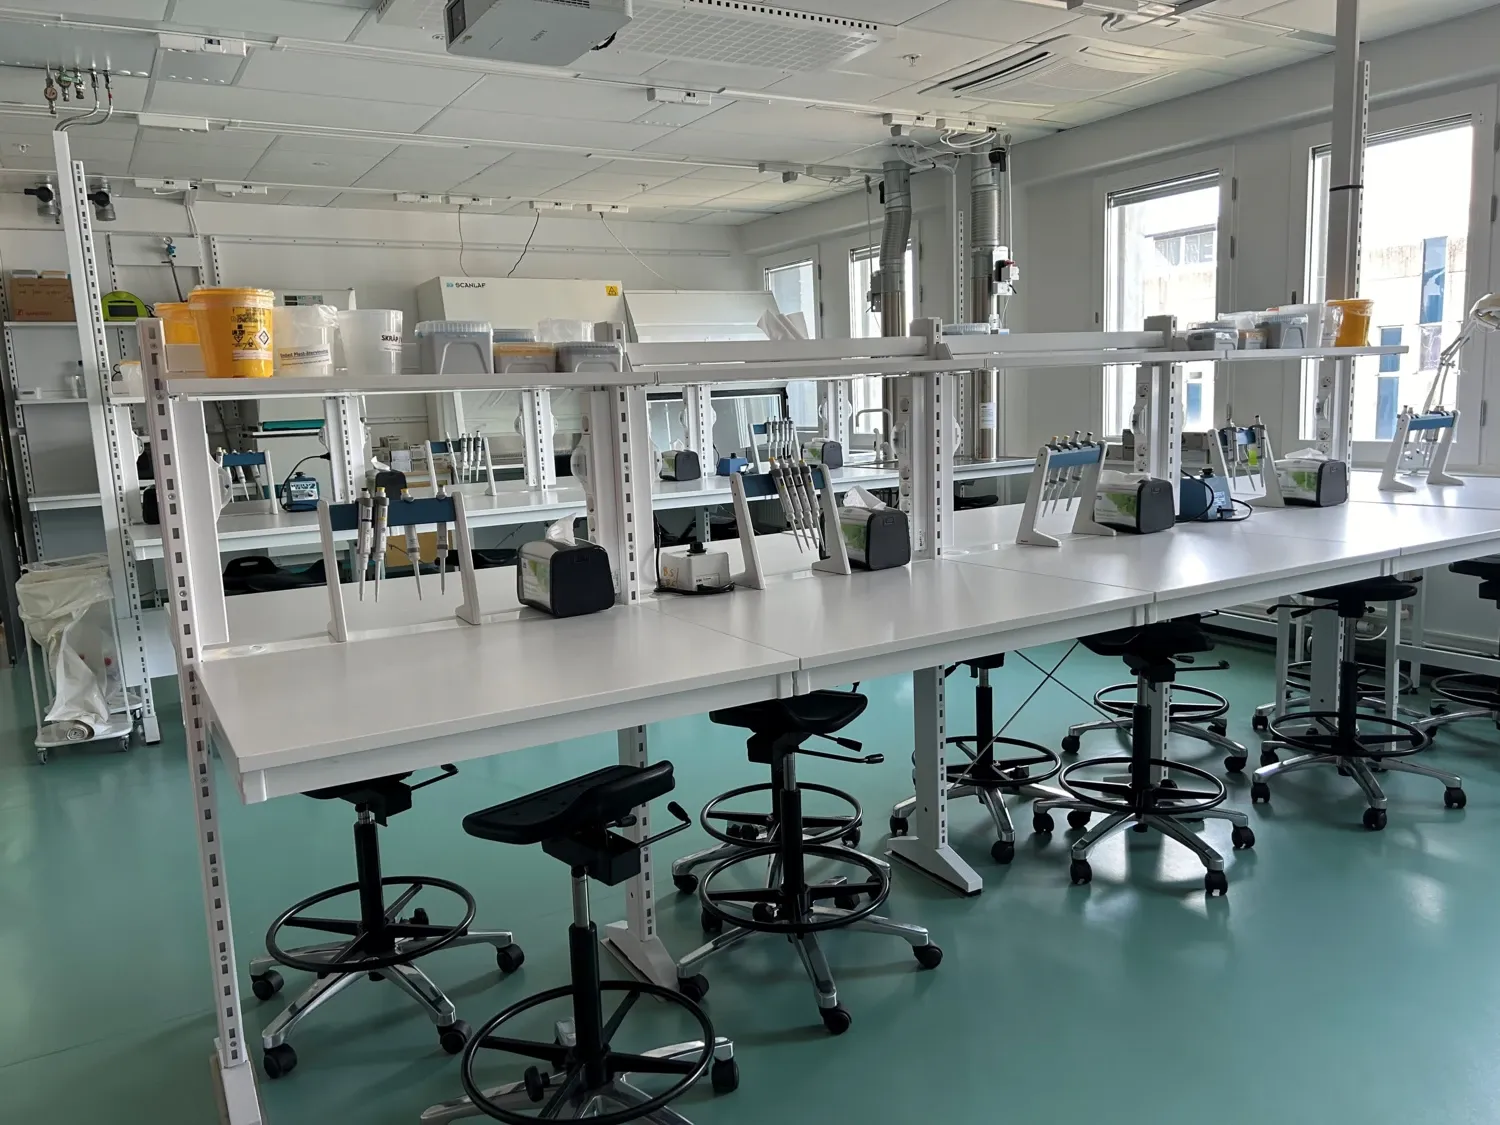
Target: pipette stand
x=433, y=448
x=1243, y=437
x=423, y=512
x=253, y=464
x=1273, y=497
x=1442, y=422
x=836, y=552
x=1091, y=460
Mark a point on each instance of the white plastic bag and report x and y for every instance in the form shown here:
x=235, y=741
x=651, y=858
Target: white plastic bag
x=61, y=606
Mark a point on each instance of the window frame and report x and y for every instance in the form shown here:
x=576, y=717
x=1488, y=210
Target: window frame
x=793, y=257
x=1219, y=160
x=1481, y=356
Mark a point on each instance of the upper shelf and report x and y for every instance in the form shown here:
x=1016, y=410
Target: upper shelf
x=728, y=363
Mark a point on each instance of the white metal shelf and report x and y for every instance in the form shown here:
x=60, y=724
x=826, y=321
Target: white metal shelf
x=49, y=398
x=70, y=324
x=63, y=501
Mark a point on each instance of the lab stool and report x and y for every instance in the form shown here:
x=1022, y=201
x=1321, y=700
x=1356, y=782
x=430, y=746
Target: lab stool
x=752, y=829
x=1477, y=692
x=1145, y=796
x=579, y=1073
x=1194, y=712
x=379, y=943
x=788, y=903
x=1357, y=744
x=1022, y=769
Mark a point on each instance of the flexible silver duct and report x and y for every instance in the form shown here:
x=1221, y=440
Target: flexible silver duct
x=984, y=240
x=893, y=242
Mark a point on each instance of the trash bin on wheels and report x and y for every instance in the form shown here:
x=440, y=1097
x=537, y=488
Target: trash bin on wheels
x=67, y=607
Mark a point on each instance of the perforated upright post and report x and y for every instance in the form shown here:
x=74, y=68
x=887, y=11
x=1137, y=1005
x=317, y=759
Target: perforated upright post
x=634, y=941
x=190, y=553
x=109, y=467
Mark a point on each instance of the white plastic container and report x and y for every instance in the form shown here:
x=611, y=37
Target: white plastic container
x=456, y=347
x=1323, y=323
x=304, y=339
x=370, y=341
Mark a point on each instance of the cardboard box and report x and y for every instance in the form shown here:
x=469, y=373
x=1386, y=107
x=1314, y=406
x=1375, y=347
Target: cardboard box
x=40, y=298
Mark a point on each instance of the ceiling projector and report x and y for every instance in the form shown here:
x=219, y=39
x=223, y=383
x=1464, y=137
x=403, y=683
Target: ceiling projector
x=540, y=32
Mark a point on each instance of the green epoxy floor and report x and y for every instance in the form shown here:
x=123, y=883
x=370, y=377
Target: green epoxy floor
x=1347, y=976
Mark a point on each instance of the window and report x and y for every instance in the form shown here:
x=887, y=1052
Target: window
x=864, y=324
x=1390, y=337
x=1162, y=258
x=1413, y=265
x=795, y=289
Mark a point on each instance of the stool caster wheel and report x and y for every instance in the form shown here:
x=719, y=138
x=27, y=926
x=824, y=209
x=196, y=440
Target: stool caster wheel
x=455, y=1037
x=1242, y=838
x=743, y=832
x=711, y=923
x=725, y=1076
x=1344, y=770
x=1002, y=851
x=1020, y=773
x=695, y=988
x=1454, y=798
x=929, y=956
x=278, y=1062
x=687, y=882
x=419, y=917
x=1216, y=883
x=1375, y=819
x=899, y=826
x=1269, y=757
x=1079, y=819
x=1235, y=764
x=847, y=902
x=1260, y=724
x=536, y=1083
x=1218, y=728
x=1071, y=744
x=1260, y=793
x=267, y=985
x=1043, y=824
x=1079, y=872
x=1439, y=708
x=764, y=912
x=852, y=838
x=836, y=1020
x=510, y=958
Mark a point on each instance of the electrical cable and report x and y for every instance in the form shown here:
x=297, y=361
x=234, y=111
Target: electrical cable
x=527, y=248
x=636, y=256
x=1052, y=676
x=461, y=267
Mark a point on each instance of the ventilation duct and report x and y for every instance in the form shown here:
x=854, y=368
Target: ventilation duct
x=1065, y=70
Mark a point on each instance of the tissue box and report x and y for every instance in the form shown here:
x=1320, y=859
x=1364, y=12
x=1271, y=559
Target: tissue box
x=876, y=538
x=1140, y=506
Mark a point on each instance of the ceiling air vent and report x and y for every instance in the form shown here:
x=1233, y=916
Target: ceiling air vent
x=746, y=34
x=1061, y=72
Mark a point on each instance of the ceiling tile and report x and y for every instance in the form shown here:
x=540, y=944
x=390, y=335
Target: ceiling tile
x=935, y=54
x=269, y=17
x=714, y=76
x=292, y=160
x=301, y=72
x=1081, y=113
x=652, y=171
x=572, y=98
x=835, y=86
x=786, y=120
x=306, y=198
x=435, y=172
x=733, y=175
x=39, y=125
x=1167, y=87
x=566, y=165
x=330, y=111
x=541, y=130
x=513, y=182
x=169, y=160
x=1000, y=21
x=120, y=9
x=673, y=116
x=617, y=61
x=704, y=140
x=373, y=33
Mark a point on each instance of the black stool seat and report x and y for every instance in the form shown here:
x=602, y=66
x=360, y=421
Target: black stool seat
x=986, y=663
x=817, y=713
x=1486, y=568
x=361, y=792
x=595, y=800
x=1158, y=642
x=1352, y=597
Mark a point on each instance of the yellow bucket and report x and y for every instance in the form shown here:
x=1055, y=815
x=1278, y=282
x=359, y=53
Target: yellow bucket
x=1355, y=330
x=234, y=328
x=177, y=322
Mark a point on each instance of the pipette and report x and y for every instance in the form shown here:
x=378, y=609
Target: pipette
x=413, y=550
x=810, y=490
x=783, y=493
x=362, y=549
x=378, y=528
x=441, y=547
